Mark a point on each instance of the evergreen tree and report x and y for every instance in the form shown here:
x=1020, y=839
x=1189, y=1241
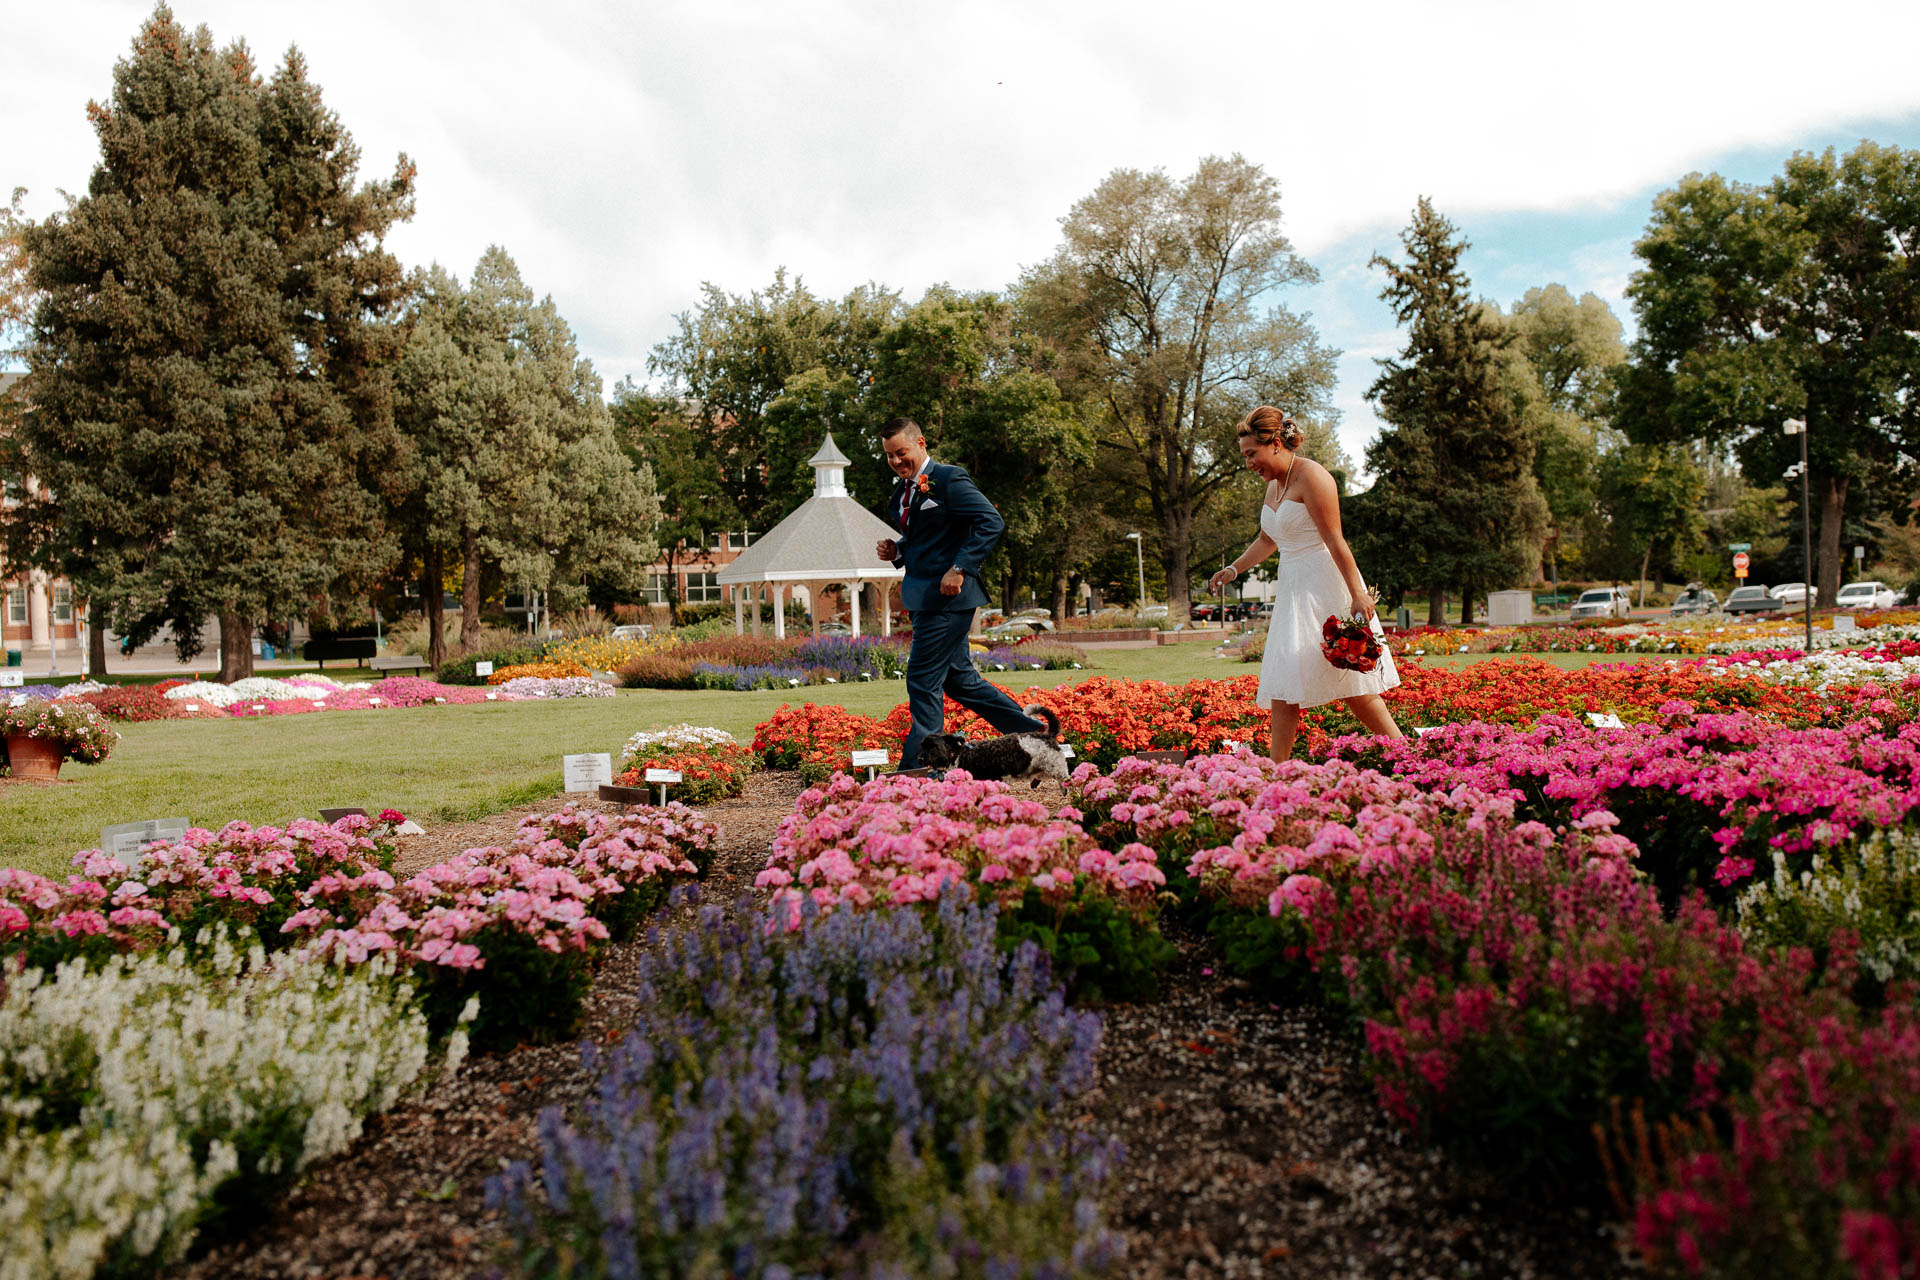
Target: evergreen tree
x=1455, y=505
x=207, y=363
x=512, y=466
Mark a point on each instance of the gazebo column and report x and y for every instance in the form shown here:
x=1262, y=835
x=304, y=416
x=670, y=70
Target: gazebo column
x=740, y=611
x=816, y=601
x=886, y=608
x=853, y=596
x=753, y=593
x=779, y=610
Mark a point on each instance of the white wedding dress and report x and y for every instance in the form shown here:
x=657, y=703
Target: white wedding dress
x=1307, y=590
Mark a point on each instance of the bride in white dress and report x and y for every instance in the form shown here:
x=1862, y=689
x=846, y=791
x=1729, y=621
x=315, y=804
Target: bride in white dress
x=1300, y=519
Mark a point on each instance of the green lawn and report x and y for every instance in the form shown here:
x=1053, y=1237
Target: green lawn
x=438, y=764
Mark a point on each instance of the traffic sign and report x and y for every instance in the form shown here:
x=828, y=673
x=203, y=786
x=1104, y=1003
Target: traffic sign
x=1740, y=563
x=1739, y=546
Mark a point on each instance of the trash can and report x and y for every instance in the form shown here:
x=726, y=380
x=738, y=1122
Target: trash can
x=266, y=651
x=13, y=657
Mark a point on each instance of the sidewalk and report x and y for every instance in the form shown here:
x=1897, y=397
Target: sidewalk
x=39, y=666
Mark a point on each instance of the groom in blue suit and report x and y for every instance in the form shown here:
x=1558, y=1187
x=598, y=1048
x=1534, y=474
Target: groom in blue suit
x=947, y=528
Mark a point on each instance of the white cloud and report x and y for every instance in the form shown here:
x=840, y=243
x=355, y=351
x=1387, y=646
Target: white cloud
x=625, y=153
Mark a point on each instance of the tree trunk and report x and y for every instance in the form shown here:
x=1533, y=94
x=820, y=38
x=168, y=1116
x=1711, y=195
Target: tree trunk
x=1060, y=590
x=1176, y=560
x=1645, y=561
x=1466, y=605
x=1833, y=506
x=96, y=641
x=470, y=593
x=236, y=647
x=433, y=595
x=1437, y=607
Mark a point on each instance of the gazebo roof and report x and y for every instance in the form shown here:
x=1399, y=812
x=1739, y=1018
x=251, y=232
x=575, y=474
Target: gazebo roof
x=830, y=538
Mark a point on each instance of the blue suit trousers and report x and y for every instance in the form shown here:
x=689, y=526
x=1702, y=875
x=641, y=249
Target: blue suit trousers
x=939, y=666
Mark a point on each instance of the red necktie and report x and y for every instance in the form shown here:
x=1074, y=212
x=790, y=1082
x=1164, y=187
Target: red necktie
x=906, y=504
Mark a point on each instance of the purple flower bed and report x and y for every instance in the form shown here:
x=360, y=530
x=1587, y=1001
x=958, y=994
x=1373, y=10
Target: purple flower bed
x=724, y=675
x=875, y=1088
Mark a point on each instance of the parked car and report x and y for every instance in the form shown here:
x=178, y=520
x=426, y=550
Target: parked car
x=1694, y=600
x=1790, y=592
x=632, y=631
x=1754, y=599
x=835, y=629
x=1232, y=611
x=1603, y=602
x=1865, y=595
x=1018, y=628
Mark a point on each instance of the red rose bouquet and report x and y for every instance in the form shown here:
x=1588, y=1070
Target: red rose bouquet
x=1349, y=643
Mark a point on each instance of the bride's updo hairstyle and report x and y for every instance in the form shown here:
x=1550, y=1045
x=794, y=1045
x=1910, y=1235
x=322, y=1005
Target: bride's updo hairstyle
x=1268, y=425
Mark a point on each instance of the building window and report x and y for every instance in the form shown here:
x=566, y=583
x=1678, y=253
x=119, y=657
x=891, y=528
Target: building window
x=702, y=588
x=657, y=586
x=17, y=606
x=62, y=602
x=14, y=487
x=719, y=542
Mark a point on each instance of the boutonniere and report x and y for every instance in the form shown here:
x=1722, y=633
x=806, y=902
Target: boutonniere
x=922, y=483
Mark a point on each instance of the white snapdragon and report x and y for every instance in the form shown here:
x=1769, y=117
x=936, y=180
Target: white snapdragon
x=673, y=739
x=1872, y=891
x=167, y=1055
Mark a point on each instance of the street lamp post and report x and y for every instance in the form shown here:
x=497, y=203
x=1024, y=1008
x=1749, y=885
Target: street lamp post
x=1798, y=427
x=1140, y=563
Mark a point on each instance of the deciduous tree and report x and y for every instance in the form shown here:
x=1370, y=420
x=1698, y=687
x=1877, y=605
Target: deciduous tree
x=1799, y=298
x=1162, y=304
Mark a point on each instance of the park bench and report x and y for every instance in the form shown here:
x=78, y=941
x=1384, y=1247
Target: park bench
x=320, y=652
x=399, y=662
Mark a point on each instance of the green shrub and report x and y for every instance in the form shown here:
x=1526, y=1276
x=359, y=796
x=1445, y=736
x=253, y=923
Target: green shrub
x=460, y=670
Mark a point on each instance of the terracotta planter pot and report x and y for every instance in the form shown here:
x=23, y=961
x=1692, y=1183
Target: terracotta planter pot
x=37, y=758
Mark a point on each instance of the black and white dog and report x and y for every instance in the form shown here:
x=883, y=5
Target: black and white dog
x=1017, y=755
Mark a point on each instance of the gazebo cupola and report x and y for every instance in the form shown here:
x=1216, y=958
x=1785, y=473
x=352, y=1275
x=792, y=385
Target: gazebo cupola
x=829, y=470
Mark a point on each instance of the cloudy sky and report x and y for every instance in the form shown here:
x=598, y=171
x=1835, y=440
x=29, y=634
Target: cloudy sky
x=625, y=153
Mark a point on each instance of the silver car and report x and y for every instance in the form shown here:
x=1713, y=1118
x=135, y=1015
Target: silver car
x=1694, y=600
x=1602, y=602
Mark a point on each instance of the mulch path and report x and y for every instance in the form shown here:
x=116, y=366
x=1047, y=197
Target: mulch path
x=1254, y=1146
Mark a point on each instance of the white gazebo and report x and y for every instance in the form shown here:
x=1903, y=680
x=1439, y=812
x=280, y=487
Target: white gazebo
x=827, y=542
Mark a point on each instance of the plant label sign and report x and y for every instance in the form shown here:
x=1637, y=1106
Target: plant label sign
x=662, y=777
x=1843, y=622
x=12, y=678
x=483, y=668
x=334, y=815
x=1605, y=720
x=588, y=772
x=126, y=841
x=1066, y=749
x=870, y=760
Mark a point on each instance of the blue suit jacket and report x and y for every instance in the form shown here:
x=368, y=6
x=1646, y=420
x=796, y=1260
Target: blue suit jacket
x=951, y=525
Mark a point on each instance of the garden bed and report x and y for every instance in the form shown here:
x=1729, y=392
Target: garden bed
x=1255, y=1146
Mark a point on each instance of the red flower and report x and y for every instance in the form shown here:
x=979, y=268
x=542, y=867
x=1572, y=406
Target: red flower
x=924, y=484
